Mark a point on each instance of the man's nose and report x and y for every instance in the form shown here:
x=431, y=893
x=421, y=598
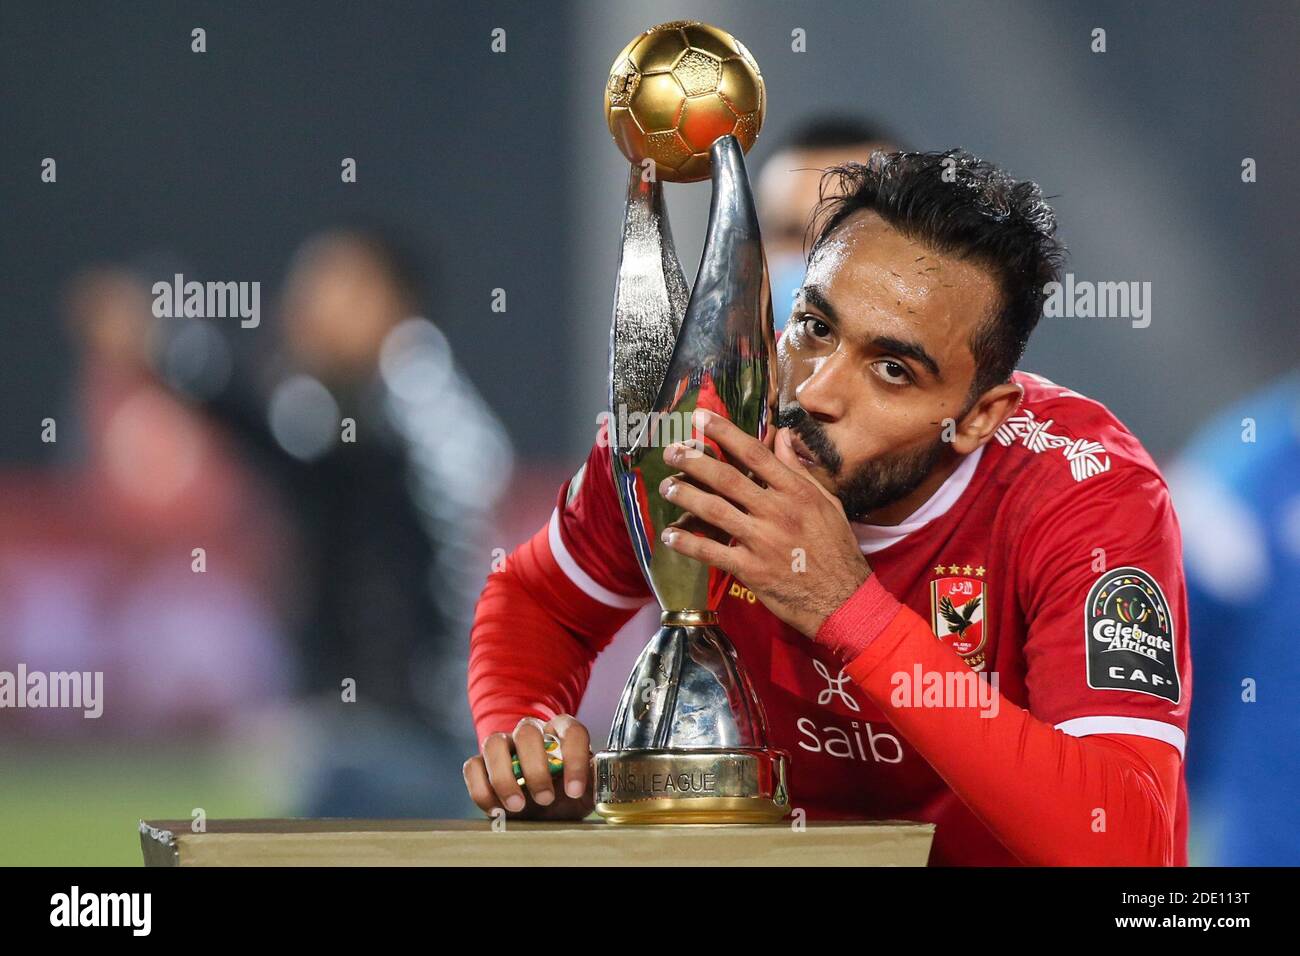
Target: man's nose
x=822, y=393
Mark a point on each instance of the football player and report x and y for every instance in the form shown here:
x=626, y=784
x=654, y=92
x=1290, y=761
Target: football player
x=957, y=586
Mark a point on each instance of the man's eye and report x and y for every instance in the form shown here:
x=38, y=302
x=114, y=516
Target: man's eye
x=895, y=373
x=815, y=326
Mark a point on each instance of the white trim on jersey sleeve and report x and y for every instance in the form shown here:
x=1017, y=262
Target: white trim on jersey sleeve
x=1134, y=726
x=581, y=579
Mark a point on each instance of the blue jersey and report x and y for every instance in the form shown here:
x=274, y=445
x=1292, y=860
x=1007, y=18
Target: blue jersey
x=1238, y=499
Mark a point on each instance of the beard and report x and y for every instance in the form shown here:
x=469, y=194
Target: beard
x=873, y=484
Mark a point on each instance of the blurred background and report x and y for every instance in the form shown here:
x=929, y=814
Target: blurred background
x=183, y=507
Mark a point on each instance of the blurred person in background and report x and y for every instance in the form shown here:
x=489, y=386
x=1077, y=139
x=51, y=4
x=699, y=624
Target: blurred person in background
x=1236, y=490
x=154, y=465
x=95, y=551
x=788, y=184
x=390, y=465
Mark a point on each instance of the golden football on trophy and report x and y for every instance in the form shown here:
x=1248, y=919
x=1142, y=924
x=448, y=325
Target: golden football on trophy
x=675, y=89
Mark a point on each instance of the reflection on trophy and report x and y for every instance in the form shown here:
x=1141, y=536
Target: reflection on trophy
x=689, y=742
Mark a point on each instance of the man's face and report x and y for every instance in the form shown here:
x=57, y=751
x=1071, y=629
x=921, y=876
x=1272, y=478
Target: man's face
x=875, y=357
x=338, y=306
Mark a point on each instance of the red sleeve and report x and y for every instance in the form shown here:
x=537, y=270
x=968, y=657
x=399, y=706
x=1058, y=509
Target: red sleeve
x=1050, y=798
x=1101, y=583
x=555, y=603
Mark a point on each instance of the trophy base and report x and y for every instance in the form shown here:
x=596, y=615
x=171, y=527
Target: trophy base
x=744, y=785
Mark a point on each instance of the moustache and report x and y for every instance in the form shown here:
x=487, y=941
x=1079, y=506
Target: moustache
x=813, y=436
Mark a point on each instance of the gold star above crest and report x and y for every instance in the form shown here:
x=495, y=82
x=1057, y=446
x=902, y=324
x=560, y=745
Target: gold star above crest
x=938, y=569
x=953, y=569
x=968, y=570
x=979, y=571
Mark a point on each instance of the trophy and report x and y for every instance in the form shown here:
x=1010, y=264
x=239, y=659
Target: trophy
x=689, y=741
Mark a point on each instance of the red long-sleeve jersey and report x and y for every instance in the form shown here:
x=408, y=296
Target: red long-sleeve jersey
x=1015, y=671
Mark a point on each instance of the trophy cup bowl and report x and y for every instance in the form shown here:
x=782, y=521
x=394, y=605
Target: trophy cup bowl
x=689, y=742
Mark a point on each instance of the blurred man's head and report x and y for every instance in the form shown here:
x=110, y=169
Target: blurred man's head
x=925, y=279
x=345, y=290
x=788, y=189
x=109, y=313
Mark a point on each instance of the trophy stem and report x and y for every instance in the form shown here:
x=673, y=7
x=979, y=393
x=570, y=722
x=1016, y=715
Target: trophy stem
x=688, y=618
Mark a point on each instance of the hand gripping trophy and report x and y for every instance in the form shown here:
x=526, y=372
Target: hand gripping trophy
x=689, y=741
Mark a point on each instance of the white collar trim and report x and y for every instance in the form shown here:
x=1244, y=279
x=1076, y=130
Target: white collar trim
x=877, y=537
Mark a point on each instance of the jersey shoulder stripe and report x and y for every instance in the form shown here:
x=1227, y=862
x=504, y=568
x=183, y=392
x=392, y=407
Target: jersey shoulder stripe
x=1132, y=726
x=580, y=578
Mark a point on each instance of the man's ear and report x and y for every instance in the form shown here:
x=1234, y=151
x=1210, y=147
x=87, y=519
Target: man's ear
x=990, y=410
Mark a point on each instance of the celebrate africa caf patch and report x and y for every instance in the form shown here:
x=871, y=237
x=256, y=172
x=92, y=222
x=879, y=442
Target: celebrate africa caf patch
x=1130, y=636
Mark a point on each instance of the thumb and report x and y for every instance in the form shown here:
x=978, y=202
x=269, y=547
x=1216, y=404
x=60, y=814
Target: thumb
x=785, y=453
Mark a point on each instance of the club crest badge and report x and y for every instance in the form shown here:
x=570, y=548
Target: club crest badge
x=958, y=611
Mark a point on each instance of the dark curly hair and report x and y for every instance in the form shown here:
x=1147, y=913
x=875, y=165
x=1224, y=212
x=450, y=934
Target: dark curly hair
x=961, y=205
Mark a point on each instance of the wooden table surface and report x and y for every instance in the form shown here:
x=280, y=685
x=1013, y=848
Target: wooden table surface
x=477, y=843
